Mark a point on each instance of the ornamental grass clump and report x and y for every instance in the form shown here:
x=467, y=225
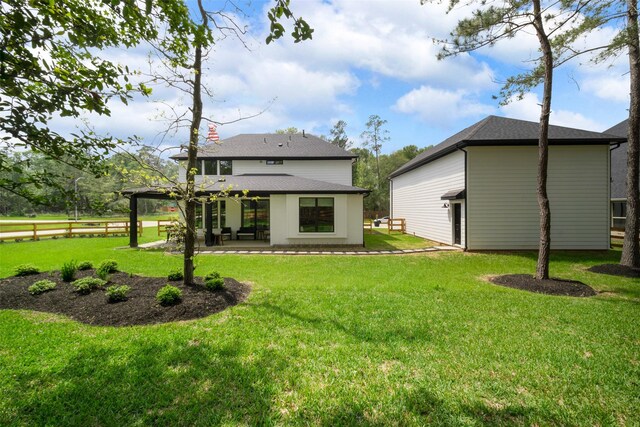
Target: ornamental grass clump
x=117, y=293
x=42, y=286
x=26, y=270
x=68, y=270
x=85, y=285
x=213, y=281
x=169, y=295
x=108, y=265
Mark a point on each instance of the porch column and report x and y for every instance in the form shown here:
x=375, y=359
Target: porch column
x=133, y=221
x=208, y=225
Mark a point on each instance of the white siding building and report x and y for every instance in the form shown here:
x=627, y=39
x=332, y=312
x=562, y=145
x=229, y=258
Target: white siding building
x=477, y=189
x=285, y=189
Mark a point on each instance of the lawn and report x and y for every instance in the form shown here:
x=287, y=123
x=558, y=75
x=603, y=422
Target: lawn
x=333, y=340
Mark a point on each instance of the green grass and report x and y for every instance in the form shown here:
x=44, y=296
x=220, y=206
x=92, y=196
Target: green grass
x=382, y=240
x=333, y=340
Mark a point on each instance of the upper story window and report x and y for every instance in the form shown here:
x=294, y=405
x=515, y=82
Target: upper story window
x=225, y=167
x=274, y=162
x=210, y=167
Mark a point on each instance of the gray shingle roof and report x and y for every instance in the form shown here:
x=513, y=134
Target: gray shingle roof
x=260, y=184
x=271, y=146
x=494, y=130
x=619, y=162
x=621, y=129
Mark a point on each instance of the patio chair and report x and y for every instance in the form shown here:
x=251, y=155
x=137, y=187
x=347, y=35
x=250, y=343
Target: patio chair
x=246, y=232
x=226, y=231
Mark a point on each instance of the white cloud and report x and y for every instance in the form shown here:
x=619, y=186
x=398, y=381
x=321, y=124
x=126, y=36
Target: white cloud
x=441, y=107
x=609, y=88
x=529, y=109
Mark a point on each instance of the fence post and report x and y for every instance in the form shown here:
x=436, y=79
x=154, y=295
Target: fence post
x=70, y=230
x=35, y=231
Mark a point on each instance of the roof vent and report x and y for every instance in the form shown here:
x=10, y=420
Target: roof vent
x=280, y=144
x=265, y=140
x=222, y=179
x=303, y=135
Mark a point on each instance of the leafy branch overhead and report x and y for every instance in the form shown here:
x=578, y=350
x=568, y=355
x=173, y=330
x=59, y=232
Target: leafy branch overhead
x=301, y=29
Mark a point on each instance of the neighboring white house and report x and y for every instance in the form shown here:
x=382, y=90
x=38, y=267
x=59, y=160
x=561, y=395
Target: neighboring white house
x=477, y=189
x=299, y=190
x=619, y=176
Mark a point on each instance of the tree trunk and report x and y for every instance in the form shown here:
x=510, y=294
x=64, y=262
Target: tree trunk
x=631, y=247
x=192, y=155
x=542, y=269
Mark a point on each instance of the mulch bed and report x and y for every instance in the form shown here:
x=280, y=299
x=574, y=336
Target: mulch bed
x=552, y=286
x=140, y=308
x=616, y=270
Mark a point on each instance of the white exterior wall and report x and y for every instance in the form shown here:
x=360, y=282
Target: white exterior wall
x=284, y=221
x=502, y=203
x=416, y=198
x=334, y=171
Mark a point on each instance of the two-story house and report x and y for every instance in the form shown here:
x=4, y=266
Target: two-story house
x=286, y=189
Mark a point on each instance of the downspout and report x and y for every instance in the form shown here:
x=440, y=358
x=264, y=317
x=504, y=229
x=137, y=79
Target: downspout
x=466, y=200
x=363, y=197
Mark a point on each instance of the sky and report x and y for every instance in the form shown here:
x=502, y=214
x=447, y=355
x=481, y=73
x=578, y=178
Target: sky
x=370, y=57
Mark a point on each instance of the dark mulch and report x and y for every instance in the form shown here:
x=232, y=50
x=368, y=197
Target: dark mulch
x=616, y=270
x=526, y=282
x=140, y=308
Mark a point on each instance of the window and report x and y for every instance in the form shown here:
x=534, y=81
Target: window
x=198, y=167
x=316, y=215
x=619, y=214
x=199, y=216
x=255, y=214
x=225, y=167
x=274, y=162
x=210, y=167
x=219, y=214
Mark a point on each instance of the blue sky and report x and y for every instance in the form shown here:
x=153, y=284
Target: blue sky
x=374, y=57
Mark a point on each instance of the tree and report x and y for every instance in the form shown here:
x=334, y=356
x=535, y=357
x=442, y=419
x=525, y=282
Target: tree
x=288, y=131
x=50, y=67
x=631, y=247
x=184, y=34
x=488, y=26
x=374, y=137
x=339, y=135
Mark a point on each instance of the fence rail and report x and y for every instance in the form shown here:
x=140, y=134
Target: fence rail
x=37, y=230
x=162, y=225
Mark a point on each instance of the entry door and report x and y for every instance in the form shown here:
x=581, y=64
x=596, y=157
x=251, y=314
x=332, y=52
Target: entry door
x=457, y=223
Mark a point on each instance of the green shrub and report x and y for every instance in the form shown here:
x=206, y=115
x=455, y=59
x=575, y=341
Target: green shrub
x=176, y=275
x=85, y=285
x=103, y=274
x=108, y=265
x=85, y=265
x=41, y=286
x=26, y=270
x=68, y=270
x=213, y=281
x=117, y=293
x=169, y=295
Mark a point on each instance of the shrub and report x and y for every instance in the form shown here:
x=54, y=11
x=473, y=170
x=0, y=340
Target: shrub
x=176, y=275
x=41, y=286
x=213, y=281
x=85, y=285
x=102, y=274
x=68, y=270
x=169, y=295
x=85, y=265
x=26, y=270
x=117, y=293
x=108, y=265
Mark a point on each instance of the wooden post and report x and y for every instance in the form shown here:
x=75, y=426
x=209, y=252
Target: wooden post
x=133, y=221
x=70, y=231
x=208, y=225
x=35, y=231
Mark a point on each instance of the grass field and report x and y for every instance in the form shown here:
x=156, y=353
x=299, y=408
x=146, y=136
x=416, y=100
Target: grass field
x=334, y=340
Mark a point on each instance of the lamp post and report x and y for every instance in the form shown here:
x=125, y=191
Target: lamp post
x=75, y=186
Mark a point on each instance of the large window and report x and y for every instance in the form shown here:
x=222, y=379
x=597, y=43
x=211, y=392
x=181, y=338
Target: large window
x=316, y=215
x=210, y=167
x=618, y=214
x=219, y=214
x=225, y=167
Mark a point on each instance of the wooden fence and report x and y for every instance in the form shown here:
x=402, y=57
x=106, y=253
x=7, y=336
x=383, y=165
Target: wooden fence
x=162, y=225
x=397, y=224
x=37, y=230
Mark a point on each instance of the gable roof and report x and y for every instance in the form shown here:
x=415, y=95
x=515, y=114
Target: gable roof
x=494, y=130
x=252, y=146
x=621, y=129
